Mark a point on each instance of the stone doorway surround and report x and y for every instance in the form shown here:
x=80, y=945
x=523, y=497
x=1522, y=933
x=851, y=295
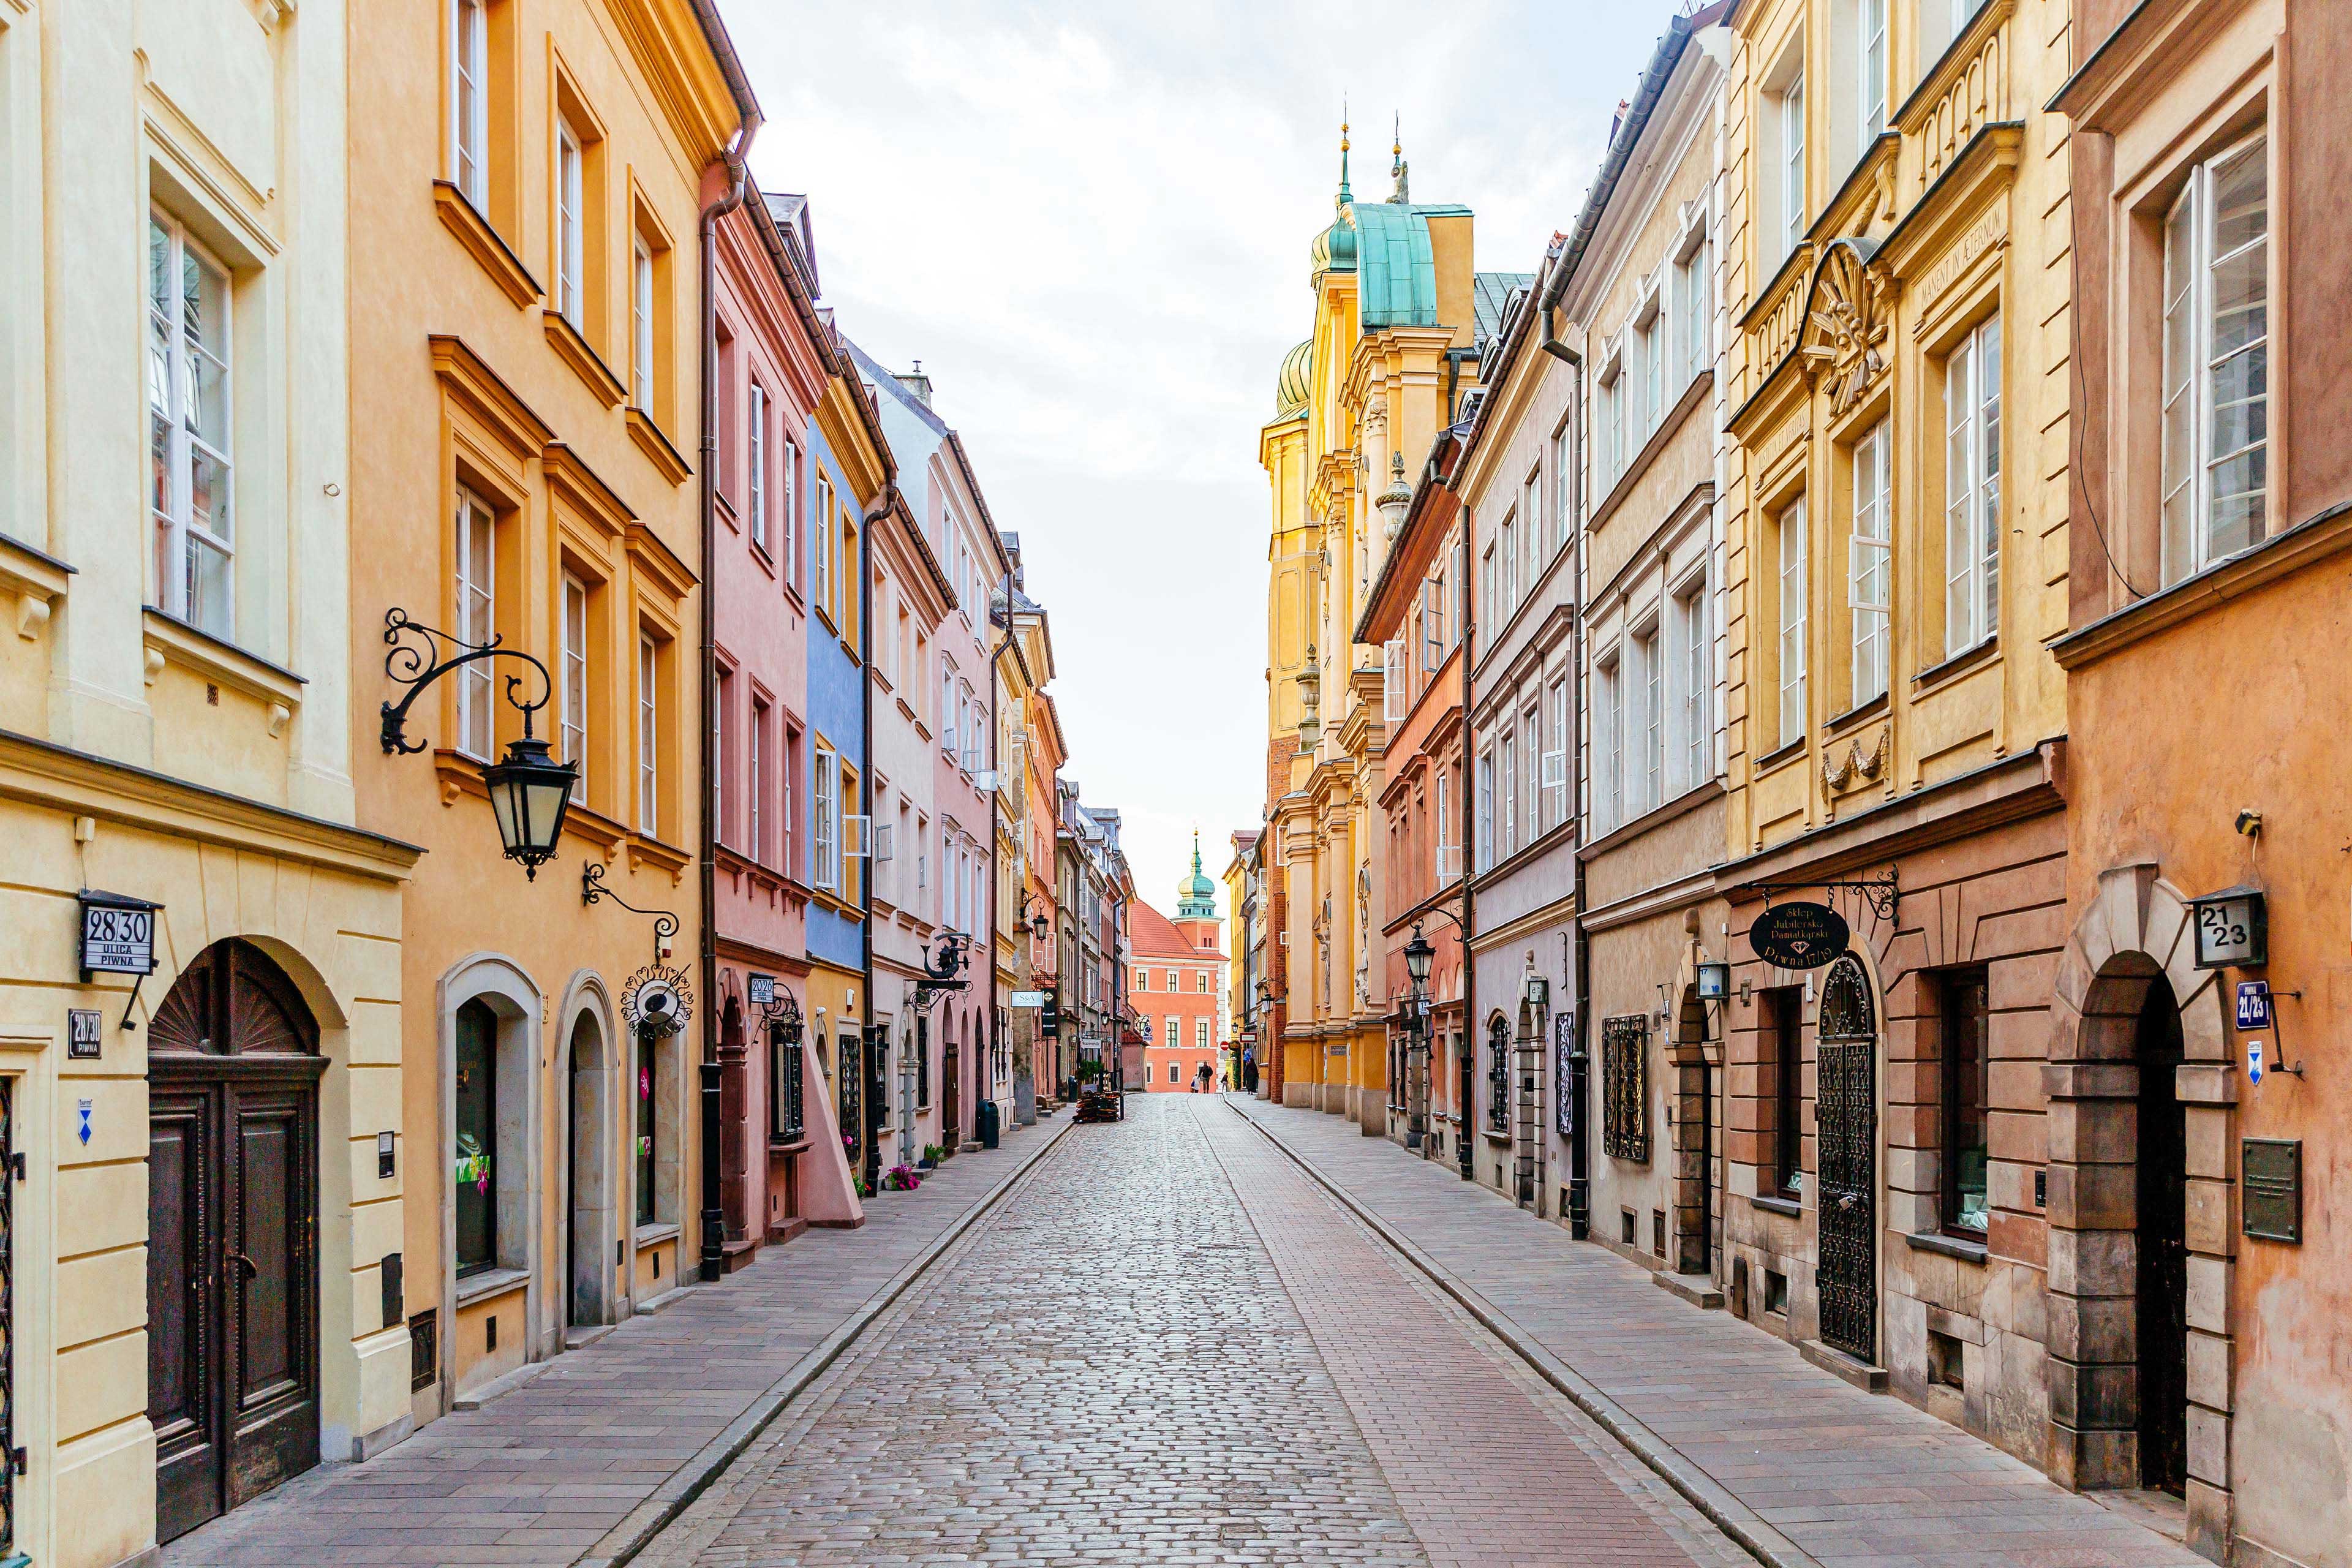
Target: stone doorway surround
x=2133, y=929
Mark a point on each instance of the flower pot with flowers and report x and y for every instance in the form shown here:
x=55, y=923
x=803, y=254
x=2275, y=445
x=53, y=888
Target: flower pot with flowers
x=901, y=1179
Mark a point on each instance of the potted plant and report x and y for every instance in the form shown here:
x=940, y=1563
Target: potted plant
x=932, y=1155
x=901, y=1179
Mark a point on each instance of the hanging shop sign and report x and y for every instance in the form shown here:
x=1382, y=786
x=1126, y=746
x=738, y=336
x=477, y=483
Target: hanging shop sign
x=1797, y=936
x=2233, y=929
x=1028, y=998
x=658, y=999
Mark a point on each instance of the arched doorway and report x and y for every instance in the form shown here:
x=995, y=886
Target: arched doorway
x=588, y=1143
x=1846, y=1112
x=233, y=1070
x=950, y=1090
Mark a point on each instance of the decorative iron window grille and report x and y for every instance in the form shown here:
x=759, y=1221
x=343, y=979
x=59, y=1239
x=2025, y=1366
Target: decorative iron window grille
x=1563, y=1052
x=1625, y=1087
x=1499, y=1076
x=1846, y=1128
x=12, y=1457
x=853, y=1113
x=424, y=1349
x=787, y=1116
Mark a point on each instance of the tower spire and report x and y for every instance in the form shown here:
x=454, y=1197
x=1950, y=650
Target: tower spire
x=1345, y=195
x=1397, y=165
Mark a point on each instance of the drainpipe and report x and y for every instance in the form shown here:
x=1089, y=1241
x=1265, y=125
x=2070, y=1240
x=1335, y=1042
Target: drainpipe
x=1464, y=1128
x=714, y=1216
x=995, y=872
x=1579, y=1141
x=877, y=1079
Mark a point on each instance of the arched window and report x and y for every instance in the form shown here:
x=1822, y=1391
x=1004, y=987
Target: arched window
x=1846, y=1010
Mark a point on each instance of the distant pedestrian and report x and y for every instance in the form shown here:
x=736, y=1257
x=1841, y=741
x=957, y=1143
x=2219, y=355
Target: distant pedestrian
x=1249, y=1072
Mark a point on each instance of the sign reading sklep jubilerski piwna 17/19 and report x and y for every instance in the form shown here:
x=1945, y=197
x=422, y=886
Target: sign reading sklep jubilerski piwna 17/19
x=1798, y=935
x=117, y=933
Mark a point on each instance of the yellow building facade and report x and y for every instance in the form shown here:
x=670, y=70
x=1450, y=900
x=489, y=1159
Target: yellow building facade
x=175, y=780
x=525, y=294
x=1357, y=405
x=1894, y=482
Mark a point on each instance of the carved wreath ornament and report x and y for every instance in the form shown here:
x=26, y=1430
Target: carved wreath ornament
x=1837, y=778
x=1845, y=327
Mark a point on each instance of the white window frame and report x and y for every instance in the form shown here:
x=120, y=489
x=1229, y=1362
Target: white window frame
x=1696, y=676
x=1563, y=481
x=756, y=452
x=1870, y=570
x=1793, y=616
x=570, y=161
x=824, y=824
x=1484, y=824
x=1695, y=296
x=648, y=737
x=1608, y=425
x=1554, y=779
x=469, y=120
x=180, y=352
x=2191, y=472
x=1608, y=742
x=1507, y=777
x=573, y=657
x=477, y=546
x=821, y=542
x=1870, y=19
x=790, y=509
x=1649, y=652
x=755, y=781
x=1507, y=552
x=641, y=324
x=1972, y=509
x=1793, y=163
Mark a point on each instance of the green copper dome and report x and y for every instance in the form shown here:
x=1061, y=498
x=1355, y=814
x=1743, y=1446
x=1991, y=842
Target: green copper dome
x=1334, y=249
x=1291, y=387
x=1196, y=896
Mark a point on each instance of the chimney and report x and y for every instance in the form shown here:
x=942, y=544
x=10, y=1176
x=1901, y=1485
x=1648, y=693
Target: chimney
x=916, y=382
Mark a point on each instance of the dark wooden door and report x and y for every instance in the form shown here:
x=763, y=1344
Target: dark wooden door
x=2163, y=1261
x=232, y=1271
x=1846, y=1119
x=951, y=1094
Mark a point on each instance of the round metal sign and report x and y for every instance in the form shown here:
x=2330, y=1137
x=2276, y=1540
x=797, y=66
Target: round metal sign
x=658, y=999
x=1798, y=935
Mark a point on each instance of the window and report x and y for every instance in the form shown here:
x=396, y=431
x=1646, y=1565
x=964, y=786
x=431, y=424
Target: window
x=477, y=622
x=1555, y=757
x=755, y=782
x=824, y=869
x=1486, y=586
x=188, y=428
x=756, y=493
x=641, y=339
x=1143, y=980
x=469, y=64
x=1533, y=538
x=1510, y=781
x=575, y=716
x=1608, y=746
x=1448, y=852
x=1647, y=645
x=648, y=738
x=1484, y=847
x=1652, y=340
x=1696, y=663
x=1200, y=1034
x=1793, y=163
x=1868, y=572
x=1201, y=981
x=647, y=1064
x=823, y=544
x=791, y=509
x=1972, y=489
x=1695, y=296
x=1564, y=482
x=1172, y=1066
x=1966, y=1080
x=1509, y=565
x=1872, y=15
x=571, y=301
x=1792, y=621
x=1531, y=784
x=477, y=1175
x=722, y=739
x=1782, y=1013
x=2217, y=362
x=1609, y=435
x=1173, y=1039
x=1432, y=624
x=1171, y=980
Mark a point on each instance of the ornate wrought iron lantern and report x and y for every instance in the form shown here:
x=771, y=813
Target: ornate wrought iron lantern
x=530, y=793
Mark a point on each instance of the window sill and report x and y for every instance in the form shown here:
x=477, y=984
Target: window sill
x=1779, y=755
x=488, y=1283
x=1961, y=663
x=586, y=363
x=654, y=1234
x=1499, y=1140
x=1853, y=717
x=1959, y=1246
x=655, y=445
x=483, y=243
x=1792, y=1207
x=171, y=640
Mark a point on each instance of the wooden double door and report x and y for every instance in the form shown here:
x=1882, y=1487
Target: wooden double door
x=232, y=1252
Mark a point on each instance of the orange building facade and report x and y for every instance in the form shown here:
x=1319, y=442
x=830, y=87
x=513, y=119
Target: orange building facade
x=1176, y=980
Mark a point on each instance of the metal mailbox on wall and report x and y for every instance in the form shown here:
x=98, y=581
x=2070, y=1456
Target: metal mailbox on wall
x=2272, y=1195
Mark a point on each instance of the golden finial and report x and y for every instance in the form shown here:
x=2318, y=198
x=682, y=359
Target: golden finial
x=1343, y=122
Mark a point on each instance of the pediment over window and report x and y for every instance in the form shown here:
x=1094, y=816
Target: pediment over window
x=1842, y=343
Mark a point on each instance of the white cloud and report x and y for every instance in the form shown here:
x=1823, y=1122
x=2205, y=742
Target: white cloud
x=1090, y=223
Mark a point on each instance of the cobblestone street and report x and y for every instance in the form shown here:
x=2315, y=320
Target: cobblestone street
x=1128, y=1366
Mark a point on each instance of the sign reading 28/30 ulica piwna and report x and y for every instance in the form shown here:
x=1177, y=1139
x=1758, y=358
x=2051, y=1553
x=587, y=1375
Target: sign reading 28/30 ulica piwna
x=1798, y=936
x=118, y=934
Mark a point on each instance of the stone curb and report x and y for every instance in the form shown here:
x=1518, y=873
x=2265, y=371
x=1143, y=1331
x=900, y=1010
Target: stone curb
x=690, y=1480
x=1703, y=1491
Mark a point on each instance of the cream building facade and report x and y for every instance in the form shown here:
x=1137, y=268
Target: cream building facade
x=175, y=728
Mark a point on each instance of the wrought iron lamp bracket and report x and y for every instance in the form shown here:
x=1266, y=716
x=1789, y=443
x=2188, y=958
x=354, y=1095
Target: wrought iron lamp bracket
x=417, y=660
x=1882, y=892
x=592, y=890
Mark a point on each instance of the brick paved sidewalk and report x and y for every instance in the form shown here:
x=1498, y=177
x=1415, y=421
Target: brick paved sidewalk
x=1848, y=1477
x=541, y=1476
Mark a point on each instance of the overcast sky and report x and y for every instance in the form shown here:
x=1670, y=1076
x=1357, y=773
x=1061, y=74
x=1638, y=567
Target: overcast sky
x=1090, y=223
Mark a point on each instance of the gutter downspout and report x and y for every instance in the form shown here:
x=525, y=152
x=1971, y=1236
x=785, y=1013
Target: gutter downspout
x=1464, y=1122
x=714, y=1216
x=877, y=1079
x=995, y=871
x=1579, y=1142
